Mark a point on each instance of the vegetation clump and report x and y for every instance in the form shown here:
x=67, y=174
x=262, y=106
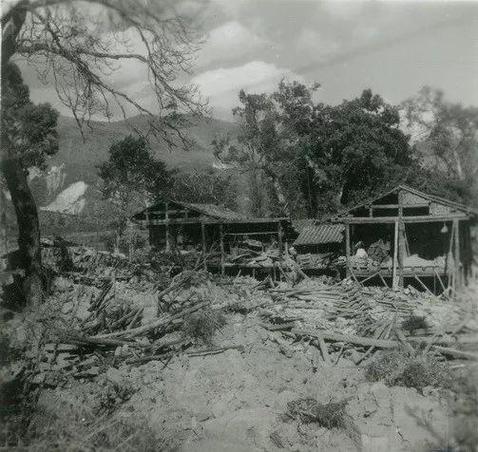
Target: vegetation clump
x=399, y=369
x=413, y=323
x=329, y=415
x=204, y=324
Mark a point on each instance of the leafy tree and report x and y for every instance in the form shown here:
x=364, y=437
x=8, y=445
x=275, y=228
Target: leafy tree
x=313, y=156
x=356, y=148
x=132, y=177
x=446, y=139
x=263, y=151
x=76, y=46
x=28, y=135
x=207, y=186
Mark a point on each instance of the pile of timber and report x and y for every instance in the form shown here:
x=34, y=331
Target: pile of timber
x=114, y=331
x=368, y=319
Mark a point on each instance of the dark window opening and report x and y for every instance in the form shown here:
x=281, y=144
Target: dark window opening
x=385, y=212
x=416, y=211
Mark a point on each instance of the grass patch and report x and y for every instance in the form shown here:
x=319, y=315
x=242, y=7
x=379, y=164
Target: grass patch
x=102, y=435
x=398, y=369
x=204, y=324
x=329, y=415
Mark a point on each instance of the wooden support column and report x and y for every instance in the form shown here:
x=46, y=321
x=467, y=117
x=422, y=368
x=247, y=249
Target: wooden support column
x=166, y=227
x=395, y=257
x=279, y=237
x=451, y=268
x=221, y=244
x=401, y=252
x=347, y=250
x=149, y=228
x=401, y=240
x=456, y=257
x=203, y=245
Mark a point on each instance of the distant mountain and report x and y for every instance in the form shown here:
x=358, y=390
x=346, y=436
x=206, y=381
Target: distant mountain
x=72, y=175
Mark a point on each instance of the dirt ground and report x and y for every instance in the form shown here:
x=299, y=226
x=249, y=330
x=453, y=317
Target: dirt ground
x=233, y=393
x=237, y=400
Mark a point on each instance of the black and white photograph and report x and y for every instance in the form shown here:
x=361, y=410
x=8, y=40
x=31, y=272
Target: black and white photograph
x=239, y=225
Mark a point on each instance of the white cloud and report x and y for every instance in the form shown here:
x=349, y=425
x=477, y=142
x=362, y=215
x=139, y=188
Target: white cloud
x=228, y=42
x=316, y=45
x=222, y=85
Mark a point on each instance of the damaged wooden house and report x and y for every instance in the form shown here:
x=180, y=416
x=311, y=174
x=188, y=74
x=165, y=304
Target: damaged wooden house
x=407, y=236
x=221, y=239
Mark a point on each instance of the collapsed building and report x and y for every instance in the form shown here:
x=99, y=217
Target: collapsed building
x=399, y=237
x=225, y=240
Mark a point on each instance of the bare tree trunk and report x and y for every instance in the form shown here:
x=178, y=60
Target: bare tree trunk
x=278, y=191
x=280, y=196
x=28, y=228
x=459, y=168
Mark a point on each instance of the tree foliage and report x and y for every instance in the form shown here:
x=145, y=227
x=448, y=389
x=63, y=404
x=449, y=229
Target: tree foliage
x=446, y=140
x=316, y=156
x=206, y=186
x=264, y=147
x=132, y=177
x=77, y=46
x=28, y=131
x=357, y=147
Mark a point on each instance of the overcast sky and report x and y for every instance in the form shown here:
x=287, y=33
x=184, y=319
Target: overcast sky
x=392, y=47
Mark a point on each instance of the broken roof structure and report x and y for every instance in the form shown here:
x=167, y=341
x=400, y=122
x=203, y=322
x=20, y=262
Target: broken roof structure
x=175, y=224
x=428, y=237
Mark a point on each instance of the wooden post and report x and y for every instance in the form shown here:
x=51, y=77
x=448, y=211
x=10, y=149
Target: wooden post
x=456, y=226
x=203, y=245
x=401, y=252
x=347, y=249
x=395, y=257
x=451, y=274
x=166, y=226
x=279, y=236
x=221, y=244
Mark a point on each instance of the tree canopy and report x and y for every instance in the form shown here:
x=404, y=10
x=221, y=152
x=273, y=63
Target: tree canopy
x=446, y=140
x=132, y=177
x=314, y=156
x=77, y=46
x=356, y=147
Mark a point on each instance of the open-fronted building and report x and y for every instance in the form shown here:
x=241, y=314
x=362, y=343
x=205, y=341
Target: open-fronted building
x=405, y=233
x=215, y=231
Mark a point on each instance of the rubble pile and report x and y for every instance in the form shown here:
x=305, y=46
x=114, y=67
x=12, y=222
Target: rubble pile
x=106, y=310
x=109, y=313
x=371, y=318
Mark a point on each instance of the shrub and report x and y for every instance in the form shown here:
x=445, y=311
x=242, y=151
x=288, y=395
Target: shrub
x=413, y=323
x=398, y=369
x=330, y=415
x=203, y=324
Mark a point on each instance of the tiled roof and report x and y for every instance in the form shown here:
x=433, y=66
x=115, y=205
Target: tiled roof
x=320, y=233
x=212, y=210
x=301, y=223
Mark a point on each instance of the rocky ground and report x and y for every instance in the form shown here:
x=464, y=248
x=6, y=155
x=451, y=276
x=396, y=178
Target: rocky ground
x=251, y=383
